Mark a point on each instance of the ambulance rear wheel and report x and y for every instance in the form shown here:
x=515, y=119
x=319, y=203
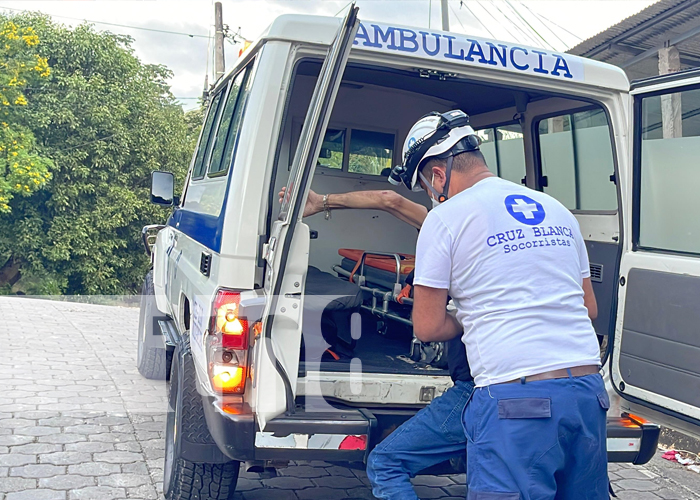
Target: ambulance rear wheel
x=184, y=479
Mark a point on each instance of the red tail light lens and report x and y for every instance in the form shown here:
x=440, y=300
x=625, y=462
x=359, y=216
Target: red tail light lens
x=226, y=321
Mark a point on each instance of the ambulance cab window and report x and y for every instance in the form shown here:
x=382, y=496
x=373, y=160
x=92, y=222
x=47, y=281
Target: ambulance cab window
x=504, y=151
x=576, y=160
x=201, y=159
x=356, y=151
x=670, y=176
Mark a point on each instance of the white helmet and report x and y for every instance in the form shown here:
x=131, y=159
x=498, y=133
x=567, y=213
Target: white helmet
x=441, y=135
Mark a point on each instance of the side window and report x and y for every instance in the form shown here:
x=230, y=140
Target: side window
x=356, y=151
x=669, y=173
x=370, y=152
x=200, y=163
x=504, y=151
x=230, y=124
x=576, y=160
x=332, y=149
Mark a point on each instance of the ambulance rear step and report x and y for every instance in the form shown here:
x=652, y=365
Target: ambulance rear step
x=631, y=439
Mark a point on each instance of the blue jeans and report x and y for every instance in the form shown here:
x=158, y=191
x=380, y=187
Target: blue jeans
x=541, y=440
x=431, y=436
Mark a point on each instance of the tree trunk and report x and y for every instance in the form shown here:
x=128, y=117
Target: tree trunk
x=10, y=272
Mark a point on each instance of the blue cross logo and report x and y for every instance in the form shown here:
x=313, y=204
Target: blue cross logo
x=524, y=209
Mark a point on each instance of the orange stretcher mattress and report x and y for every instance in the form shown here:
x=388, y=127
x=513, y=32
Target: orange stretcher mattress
x=383, y=262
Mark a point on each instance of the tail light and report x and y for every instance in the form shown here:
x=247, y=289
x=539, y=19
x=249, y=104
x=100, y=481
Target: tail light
x=228, y=343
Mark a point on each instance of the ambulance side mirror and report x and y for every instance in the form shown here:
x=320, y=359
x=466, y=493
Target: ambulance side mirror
x=162, y=188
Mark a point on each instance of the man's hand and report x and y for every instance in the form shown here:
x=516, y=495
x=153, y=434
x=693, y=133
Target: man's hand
x=314, y=203
x=431, y=323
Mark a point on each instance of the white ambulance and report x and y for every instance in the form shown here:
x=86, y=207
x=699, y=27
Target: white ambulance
x=282, y=336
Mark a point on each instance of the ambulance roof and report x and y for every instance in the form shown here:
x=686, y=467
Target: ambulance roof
x=455, y=48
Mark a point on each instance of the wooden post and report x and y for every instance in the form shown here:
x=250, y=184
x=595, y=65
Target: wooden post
x=219, y=65
x=671, y=110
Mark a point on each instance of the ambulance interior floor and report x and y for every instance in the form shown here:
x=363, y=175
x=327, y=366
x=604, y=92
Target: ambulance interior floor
x=378, y=354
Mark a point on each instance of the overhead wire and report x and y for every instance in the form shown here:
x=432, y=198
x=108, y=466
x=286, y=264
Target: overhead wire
x=496, y=20
x=555, y=24
x=528, y=24
x=515, y=25
x=191, y=35
x=474, y=16
x=546, y=25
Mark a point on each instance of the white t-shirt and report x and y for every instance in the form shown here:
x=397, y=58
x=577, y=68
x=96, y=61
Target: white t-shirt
x=513, y=260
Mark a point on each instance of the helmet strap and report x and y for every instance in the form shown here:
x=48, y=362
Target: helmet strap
x=448, y=173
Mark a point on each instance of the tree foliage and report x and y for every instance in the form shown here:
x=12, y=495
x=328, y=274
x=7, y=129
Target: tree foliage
x=22, y=169
x=106, y=120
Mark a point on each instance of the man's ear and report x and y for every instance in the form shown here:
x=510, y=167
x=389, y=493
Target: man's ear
x=440, y=177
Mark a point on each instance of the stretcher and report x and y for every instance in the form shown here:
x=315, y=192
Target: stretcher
x=382, y=277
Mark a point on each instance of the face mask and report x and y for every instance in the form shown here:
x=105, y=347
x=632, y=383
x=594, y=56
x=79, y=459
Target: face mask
x=433, y=200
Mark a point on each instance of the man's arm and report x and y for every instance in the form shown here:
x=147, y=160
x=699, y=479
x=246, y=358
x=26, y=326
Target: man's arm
x=386, y=200
x=589, y=299
x=431, y=321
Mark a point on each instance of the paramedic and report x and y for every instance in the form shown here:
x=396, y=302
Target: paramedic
x=515, y=264
x=434, y=434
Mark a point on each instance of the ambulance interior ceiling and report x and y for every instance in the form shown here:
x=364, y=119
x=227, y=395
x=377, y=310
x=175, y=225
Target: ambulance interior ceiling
x=382, y=103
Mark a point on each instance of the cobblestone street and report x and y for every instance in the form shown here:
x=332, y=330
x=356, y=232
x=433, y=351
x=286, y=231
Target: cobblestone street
x=77, y=421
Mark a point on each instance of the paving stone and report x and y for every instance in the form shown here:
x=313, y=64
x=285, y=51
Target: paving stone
x=62, y=438
x=245, y=484
x=65, y=458
x=15, y=459
x=89, y=447
x=16, y=423
x=303, y=471
x=62, y=421
x=146, y=492
x=631, y=474
x=456, y=490
x=362, y=494
x=426, y=492
x=124, y=480
x=37, y=470
x=94, y=469
x=135, y=468
x=637, y=485
x=66, y=482
x=4, y=471
x=36, y=431
x=339, y=471
x=636, y=495
x=37, y=495
x=14, y=439
x=97, y=493
x=432, y=481
x=117, y=457
x=669, y=494
x=132, y=446
x=319, y=494
x=339, y=482
x=266, y=494
x=36, y=448
x=287, y=483
x=8, y=484
x=112, y=437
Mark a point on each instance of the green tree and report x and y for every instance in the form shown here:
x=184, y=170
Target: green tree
x=22, y=169
x=106, y=120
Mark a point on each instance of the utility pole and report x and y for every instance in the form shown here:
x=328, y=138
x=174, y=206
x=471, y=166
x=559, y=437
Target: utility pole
x=445, y=15
x=219, y=66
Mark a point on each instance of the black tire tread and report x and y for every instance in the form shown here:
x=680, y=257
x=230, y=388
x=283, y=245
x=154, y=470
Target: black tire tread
x=199, y=480
x=155, y=363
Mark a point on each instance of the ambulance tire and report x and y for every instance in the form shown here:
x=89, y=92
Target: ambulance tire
x=186, y=425
x=152, y=357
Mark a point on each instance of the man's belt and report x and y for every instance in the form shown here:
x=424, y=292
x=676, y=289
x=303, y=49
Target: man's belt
x=576, y=371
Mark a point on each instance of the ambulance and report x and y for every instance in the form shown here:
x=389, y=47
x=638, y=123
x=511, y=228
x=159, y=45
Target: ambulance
x=286, y=337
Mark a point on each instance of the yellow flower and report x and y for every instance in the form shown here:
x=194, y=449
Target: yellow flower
x=21, y=101
x=14, y=153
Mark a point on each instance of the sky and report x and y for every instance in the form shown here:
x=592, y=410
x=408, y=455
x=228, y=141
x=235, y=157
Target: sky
x=554, y=24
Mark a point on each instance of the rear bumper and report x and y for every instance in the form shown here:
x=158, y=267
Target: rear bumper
x=631, y=440
x=349, y=435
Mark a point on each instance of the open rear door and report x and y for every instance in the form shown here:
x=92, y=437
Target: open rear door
x=655, y=364
x=287, y=251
